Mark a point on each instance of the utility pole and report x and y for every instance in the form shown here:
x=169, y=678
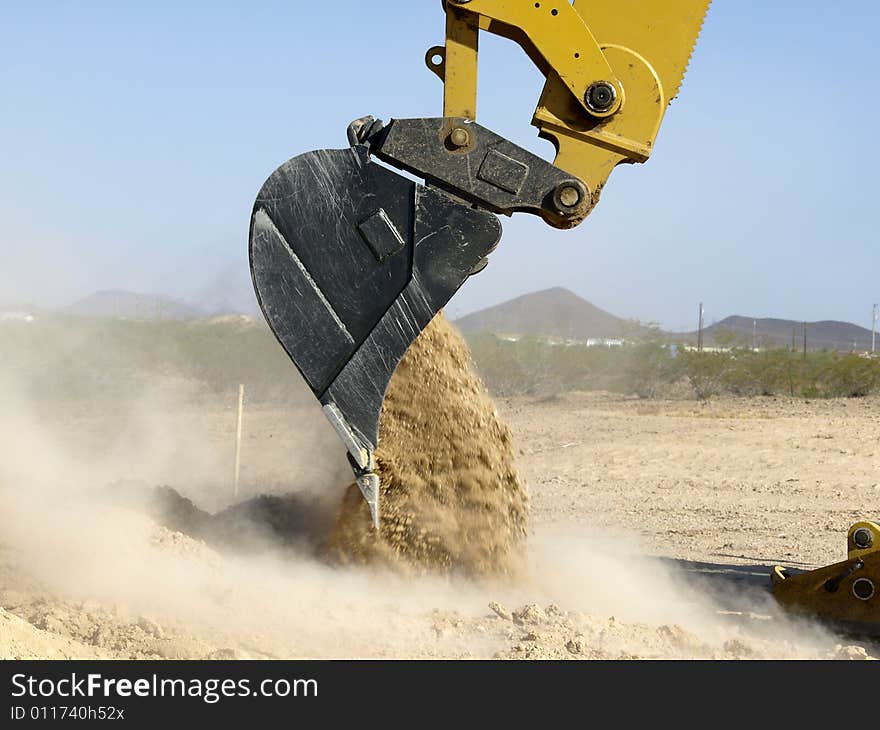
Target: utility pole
x=700, y=331
x=805, y=340
x=874, y=318
x=754, y=334
x=794, y=338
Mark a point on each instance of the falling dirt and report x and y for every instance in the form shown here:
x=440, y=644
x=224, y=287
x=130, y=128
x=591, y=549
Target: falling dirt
x=451, y=498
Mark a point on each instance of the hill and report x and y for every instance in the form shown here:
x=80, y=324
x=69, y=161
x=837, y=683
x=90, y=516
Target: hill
x=553, y=312
x=824, y=335
x=229, y=291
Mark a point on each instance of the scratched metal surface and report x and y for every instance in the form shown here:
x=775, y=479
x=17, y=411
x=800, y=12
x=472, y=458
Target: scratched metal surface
x=342, y=299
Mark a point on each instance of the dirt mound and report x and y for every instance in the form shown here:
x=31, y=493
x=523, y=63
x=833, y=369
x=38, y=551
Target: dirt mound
x=297, y=521
x=21, y=640
x=451, y=498
x=265, y=522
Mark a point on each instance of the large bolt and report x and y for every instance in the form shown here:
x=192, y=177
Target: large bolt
x=863, y=589
x=863, y=538
x=569, y=197
x=600, y=97
x=460, y=137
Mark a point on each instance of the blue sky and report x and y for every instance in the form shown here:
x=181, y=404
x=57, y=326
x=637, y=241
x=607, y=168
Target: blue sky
x=134, y=137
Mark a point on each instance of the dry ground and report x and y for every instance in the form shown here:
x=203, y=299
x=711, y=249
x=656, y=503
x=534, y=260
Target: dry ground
x=612, y=480
x=753, y=480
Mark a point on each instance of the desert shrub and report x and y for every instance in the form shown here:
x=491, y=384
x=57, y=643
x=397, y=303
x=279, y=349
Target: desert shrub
x=706, y=371
x=850, y=376
x=765, y=372
x=540, y=368
x=772, y=371
x=110, y=361
x=648, y=366
x=529, y=366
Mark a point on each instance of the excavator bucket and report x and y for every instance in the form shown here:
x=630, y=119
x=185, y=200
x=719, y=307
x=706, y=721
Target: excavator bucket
x=350, y=262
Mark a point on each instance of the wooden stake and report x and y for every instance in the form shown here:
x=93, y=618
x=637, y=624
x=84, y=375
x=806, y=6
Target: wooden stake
x=238, y=440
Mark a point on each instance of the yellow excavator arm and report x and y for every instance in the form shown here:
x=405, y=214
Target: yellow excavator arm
x=351, y=260
x=611, y=66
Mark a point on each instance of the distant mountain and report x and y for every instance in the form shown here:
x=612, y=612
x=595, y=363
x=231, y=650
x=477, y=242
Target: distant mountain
x=229, y=291
x=123, y=304
x=553, y=312
x=826, y=335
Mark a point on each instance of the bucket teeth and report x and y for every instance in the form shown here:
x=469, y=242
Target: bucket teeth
x=369, y=486
x=361, y=458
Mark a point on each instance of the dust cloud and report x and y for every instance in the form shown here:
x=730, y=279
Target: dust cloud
x=123, y=581
x=68, y=546
x=658, y=607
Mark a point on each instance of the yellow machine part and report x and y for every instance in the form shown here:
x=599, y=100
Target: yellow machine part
x=639, y=47
x=846, y=592
x=863, y=538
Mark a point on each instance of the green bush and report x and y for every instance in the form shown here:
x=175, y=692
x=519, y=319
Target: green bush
x=849, y=376
x=531, y=365
x=111, y=361
x=707, y=372
x=648, y=366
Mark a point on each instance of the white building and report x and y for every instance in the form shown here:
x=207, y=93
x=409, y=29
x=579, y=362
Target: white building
x=605, y=342
x=16, y=317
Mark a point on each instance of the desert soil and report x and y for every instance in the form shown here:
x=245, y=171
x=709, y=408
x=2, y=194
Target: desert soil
x=451, y=496
x=627, y=496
